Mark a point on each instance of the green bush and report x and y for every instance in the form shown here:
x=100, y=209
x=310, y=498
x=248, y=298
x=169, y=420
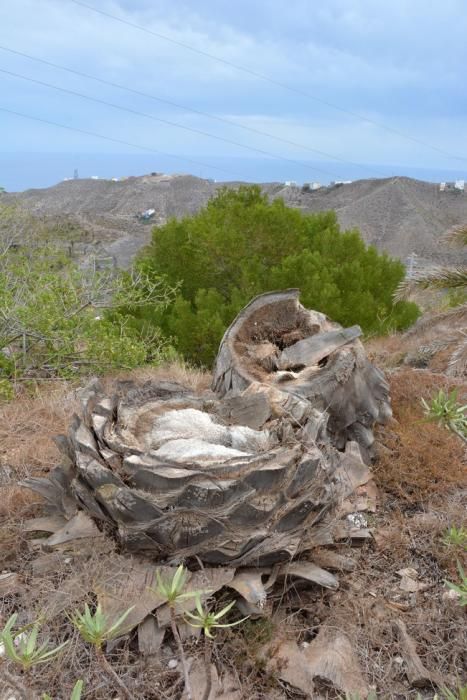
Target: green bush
x=241, y=245
x=60, y=319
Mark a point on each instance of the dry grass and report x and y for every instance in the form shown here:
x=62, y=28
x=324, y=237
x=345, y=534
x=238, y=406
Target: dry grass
x=192, y=377
x=419, y=459
x=28, y=424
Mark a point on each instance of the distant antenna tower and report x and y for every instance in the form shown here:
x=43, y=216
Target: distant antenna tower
x=75, y=174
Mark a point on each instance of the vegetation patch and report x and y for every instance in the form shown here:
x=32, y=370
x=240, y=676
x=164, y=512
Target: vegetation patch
x=421, y=458
x=241, y=245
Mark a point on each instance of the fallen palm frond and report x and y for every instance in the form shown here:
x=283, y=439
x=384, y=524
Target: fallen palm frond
x=456, y=235
x=437, y=277
x=456, y=314
x=458, y=360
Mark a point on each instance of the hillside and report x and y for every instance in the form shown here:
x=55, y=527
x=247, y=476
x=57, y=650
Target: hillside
x=399, y=215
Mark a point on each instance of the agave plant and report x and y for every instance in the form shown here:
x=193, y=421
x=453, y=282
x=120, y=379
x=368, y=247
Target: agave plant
x=208, y=620
x=446, y=411
x=22, y=646
x=449, y=279
x=96, y=629
x=172, y=590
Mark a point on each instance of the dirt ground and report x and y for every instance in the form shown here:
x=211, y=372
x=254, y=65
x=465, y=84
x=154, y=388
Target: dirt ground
x=421, y=479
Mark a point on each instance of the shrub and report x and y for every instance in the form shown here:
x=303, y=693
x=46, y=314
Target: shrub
x=241, y=245
x=59, y=319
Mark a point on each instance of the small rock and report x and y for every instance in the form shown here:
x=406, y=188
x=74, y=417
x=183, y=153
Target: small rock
x=357, y=520
x=411, y=573
x=173, y=663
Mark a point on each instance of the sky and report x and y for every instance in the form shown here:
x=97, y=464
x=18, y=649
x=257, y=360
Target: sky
x=296, y=89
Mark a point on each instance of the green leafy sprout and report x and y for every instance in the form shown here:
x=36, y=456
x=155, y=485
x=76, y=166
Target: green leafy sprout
x=22, y=646
x=207, y=620
x=446, y=411
x=95, y=628
x=460, y=589
x=75, y=693
x=455, y=537
x=460, y=694
x=172, y=590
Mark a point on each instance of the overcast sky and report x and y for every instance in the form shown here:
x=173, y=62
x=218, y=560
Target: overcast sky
x=402, y=64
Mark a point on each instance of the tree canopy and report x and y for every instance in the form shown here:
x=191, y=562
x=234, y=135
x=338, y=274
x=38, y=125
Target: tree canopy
x=241, y=244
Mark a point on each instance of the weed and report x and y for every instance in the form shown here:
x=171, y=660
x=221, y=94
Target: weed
x=418, y=459
x=446, y=411
x=258, y=633
x=455, y=537
x=460, y=589
x=172, y=591
x=459, y=694
x=96, y=630
x=75, y=694
x=22, y=648
x=208, y=621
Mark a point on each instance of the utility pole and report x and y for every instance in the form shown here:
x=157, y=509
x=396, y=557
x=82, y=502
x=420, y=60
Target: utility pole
x=411, y=262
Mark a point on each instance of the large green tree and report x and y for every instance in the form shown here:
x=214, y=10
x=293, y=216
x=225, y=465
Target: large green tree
x=241, y=244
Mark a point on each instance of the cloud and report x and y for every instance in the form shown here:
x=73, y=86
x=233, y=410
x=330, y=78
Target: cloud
x=398, y=63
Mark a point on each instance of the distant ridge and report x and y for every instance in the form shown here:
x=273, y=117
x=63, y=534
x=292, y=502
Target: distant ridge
x=399, y=215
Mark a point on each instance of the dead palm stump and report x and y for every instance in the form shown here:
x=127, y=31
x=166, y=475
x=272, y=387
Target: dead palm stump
x=252, y=473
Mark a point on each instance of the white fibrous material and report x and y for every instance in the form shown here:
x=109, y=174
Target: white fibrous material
x=192, y=424
x=243, y=438
x=190, y=449
x=187, y=423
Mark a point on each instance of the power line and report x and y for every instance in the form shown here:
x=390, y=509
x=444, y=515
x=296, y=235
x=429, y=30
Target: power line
x=165, y=121
x=230, y=122
x=268, y=79
x=114, y=140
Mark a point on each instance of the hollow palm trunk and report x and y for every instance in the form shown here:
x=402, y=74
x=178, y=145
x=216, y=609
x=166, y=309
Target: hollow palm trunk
x=252, y=472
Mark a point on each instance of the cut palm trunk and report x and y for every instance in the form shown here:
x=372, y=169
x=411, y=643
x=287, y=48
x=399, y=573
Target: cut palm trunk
x=251, y=473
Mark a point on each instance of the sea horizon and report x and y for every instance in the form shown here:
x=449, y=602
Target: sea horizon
x=23, y=171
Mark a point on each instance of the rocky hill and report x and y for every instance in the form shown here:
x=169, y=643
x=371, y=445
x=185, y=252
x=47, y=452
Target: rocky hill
x=399, y=215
